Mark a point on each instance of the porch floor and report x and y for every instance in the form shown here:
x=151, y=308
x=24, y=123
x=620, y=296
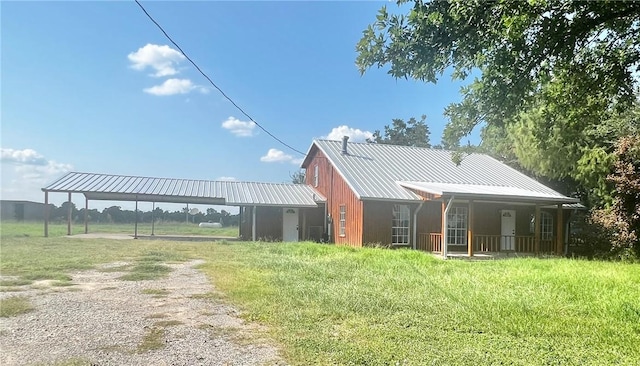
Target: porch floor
x=486, y=255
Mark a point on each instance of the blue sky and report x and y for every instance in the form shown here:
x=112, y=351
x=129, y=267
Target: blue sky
x=96, y=87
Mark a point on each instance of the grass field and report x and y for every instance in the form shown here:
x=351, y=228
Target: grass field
x=56, y=229
x=337, y=305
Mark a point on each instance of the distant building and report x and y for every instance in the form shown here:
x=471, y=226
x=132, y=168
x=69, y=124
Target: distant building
x=21, y=210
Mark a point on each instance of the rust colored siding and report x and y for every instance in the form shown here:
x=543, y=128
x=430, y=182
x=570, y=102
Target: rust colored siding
x=337, y=192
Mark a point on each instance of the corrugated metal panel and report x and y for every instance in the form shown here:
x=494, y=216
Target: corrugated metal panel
x=372, y=170
x=476, y=190
x=233, y=193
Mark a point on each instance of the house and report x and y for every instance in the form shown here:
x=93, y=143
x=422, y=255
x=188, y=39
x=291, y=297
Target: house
x=419, y=198
x=361, y=194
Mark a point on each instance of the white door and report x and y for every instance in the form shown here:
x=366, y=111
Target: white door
x=508, y=231
x=289, y=224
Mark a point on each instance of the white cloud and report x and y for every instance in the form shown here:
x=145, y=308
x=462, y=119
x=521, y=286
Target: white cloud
x=25, y=172
x=163, y=59
x=239, y=128
x=26, y=156
x=174, y=86
x=226, y=178
x=278, y=156
x=355, y=134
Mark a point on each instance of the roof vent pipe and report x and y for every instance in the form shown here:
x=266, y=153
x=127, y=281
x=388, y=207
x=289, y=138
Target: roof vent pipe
x=344, y=145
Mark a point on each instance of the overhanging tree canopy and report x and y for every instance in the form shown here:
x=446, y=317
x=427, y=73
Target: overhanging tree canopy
x=555, y=77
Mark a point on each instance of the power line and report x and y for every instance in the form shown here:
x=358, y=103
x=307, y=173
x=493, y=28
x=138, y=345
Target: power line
x=212, y=83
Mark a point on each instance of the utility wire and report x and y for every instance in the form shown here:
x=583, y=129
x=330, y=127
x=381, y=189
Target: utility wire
x=214, y=84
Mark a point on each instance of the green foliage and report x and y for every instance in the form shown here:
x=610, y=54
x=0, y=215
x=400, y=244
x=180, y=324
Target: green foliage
x=517, y=46
x=410, y=133
x=553, y=80
x=298, y=177
x=622, y=219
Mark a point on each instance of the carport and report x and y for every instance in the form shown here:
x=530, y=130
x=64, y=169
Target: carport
x=249, y=196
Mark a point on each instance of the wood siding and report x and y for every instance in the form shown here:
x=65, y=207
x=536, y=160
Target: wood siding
x=268, y=223
x=337, y=192
x=377, y=222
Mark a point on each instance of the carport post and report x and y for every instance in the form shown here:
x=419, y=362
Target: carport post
x=135, y=230
x=46, y=214
x=69, y=213
x=153, y=219
x=86, y=215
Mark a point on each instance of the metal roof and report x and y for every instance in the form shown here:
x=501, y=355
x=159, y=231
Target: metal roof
x=373, y=170
x=482, y=191
x=231, y=193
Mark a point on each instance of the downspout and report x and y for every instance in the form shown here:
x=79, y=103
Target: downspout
x=253, y=223
x=444, y=229
x=415, y=224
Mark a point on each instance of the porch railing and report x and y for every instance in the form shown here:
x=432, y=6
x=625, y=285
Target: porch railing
x=432, y=242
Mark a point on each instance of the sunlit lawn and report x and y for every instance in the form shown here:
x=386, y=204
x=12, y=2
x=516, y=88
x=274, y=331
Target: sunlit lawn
x=59, y=228
x=336, y=305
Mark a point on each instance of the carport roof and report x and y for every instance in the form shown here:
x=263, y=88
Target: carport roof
x=231, y=193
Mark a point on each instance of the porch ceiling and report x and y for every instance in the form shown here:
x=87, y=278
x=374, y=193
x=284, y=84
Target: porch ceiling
x=476, y=191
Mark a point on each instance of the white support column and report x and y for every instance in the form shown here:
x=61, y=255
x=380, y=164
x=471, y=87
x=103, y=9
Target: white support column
x=415, y=225
x=444, y=228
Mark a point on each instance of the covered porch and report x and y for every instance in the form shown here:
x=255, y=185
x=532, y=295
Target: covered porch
x=471, y=220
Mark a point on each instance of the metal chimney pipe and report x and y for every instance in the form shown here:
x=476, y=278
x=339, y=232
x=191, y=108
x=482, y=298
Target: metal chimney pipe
x=344, y=145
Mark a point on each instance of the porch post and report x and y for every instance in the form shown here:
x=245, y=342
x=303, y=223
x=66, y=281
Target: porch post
x=445, y=238
x=443, y=229
x=536, y=229
x=86, y=215
x=559, y=233
x=69, y=213
x=470, y=230
x=46, y=214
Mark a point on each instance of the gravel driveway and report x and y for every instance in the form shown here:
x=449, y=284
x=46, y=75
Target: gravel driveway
x=102, y=320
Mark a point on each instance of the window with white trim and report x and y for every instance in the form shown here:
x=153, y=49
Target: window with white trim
x=343, y=221
x=457, y=226
x=546, y=225
x=400, y=225
x=316, y=177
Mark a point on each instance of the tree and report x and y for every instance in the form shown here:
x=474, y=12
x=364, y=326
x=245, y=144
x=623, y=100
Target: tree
x=410, y=133
x=298, y=177
x=554, y=76
x=622, y=219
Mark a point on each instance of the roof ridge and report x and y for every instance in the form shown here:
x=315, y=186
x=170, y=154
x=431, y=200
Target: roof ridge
x=401, y=146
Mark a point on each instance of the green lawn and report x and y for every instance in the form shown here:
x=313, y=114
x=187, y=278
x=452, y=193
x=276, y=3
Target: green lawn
x=337, y=305
x=36, y=229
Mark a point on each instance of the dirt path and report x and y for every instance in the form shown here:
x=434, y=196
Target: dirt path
x=102, y=320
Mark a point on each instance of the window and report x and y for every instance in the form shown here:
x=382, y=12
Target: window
x=546, y=225
x=343, y=220
x=457, y=226
x=316, y=178
x=400, y=225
